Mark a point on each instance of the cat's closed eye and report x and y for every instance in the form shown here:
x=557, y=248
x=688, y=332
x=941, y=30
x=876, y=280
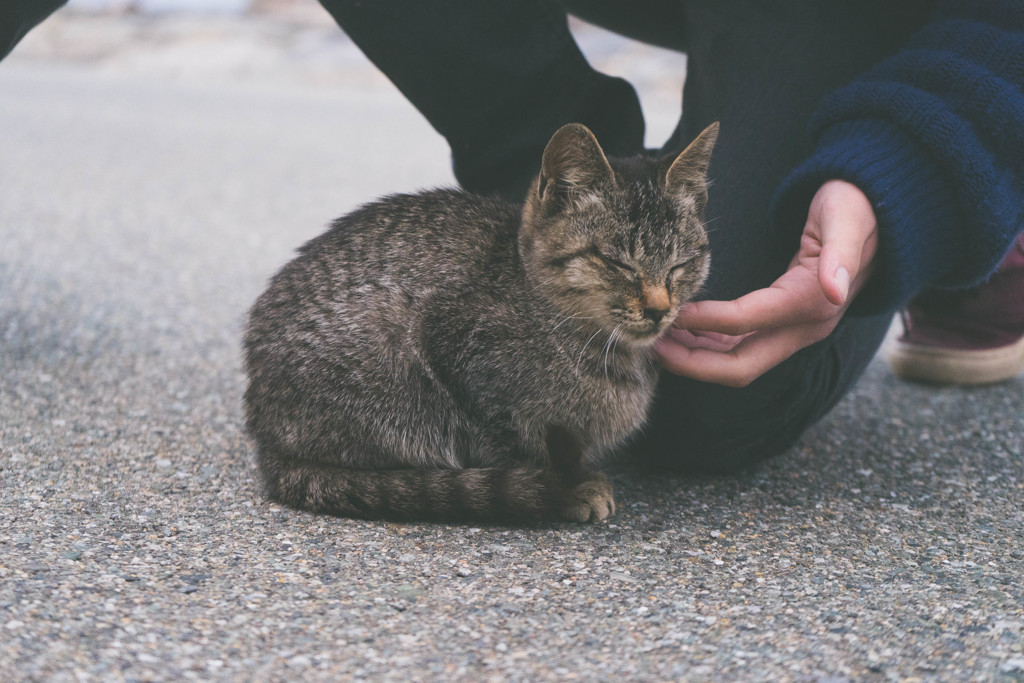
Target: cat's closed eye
x=681, y=268
x=628, y=270
x=678, y=268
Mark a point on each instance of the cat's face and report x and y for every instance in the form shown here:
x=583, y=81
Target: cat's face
x=617, y=245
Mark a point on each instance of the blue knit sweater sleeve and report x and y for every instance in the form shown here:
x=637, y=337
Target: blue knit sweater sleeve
x=934, y=136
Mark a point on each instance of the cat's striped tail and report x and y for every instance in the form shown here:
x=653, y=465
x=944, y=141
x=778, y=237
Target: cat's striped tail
x=484, y=494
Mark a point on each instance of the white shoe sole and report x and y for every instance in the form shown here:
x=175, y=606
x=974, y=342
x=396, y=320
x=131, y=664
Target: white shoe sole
x=937, y=365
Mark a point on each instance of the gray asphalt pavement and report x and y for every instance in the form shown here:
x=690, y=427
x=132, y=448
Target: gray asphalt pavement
x=138, y=220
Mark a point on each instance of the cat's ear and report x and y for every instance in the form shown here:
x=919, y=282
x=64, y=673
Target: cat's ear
x=573, y=162
x=688, y=173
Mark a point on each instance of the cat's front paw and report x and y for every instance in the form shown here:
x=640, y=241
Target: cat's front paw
x=589, y=501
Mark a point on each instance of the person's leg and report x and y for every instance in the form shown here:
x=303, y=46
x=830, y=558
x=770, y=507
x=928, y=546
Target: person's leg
x=707, y=428
x=760, y=68
x=495, y=78
x=18, y=17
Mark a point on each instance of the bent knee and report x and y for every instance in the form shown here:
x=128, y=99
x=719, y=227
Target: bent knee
x=709, y=428
x=694, y=450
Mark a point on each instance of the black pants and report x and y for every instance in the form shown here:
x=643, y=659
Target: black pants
x=498, y=77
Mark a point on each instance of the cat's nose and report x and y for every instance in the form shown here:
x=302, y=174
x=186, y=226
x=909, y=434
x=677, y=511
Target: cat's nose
x=655, y=302
x=655, y=314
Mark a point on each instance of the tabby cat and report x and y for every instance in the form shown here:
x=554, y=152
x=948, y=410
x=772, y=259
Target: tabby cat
x=447, y=356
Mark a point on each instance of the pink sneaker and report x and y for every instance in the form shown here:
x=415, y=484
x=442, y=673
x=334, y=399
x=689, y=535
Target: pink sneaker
x=970, y=337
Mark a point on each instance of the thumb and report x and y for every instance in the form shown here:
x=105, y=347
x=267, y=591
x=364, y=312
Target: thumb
x=847, y=228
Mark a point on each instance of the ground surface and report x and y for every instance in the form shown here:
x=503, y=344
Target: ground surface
x=139, y=217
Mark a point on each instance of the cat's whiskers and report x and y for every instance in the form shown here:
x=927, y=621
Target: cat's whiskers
x=608, y=346
x=571, y=317
x=571, y=332
x=575, y=316
x=710, y=228
x=542, y=283
x=583, y=350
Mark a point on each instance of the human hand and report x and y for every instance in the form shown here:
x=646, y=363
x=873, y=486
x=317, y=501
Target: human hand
x=735, y=342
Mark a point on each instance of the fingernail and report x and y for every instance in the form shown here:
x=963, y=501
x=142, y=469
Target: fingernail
x=843, y=280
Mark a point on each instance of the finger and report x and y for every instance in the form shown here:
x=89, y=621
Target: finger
x=703, y=340
x=791, y=300
x=846, y=236
x=740, y=366
x=836, y=267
